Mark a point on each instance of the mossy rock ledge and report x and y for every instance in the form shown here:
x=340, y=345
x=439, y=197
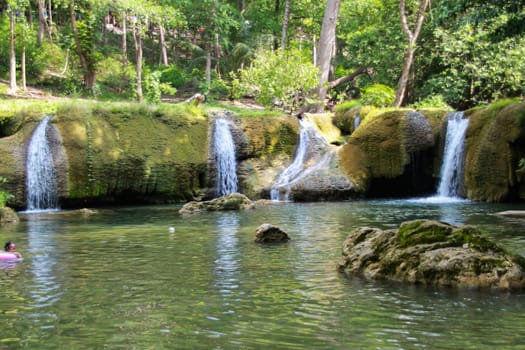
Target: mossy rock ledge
x=432, y=253
x=233, y=201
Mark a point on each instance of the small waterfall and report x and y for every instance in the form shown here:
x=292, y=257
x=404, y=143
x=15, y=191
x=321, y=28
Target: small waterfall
x=41, y=177
x=309, y=138
x=357, y=121
x=453, y=156
x=224, y=147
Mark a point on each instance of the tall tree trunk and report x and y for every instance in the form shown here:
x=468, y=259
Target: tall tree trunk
x=12, y=54
x=42, y=23
x=50, y=17
x=137, y=37
x=286, y=19
x=326, y=47
x=163, y=50
x=23, y=66
x=88, y=68
x=410, y=50
x=208, y=65
x=124, y=40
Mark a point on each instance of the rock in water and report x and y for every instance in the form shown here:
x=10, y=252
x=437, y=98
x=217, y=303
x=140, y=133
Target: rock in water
x=267, y=233
x=432, y=253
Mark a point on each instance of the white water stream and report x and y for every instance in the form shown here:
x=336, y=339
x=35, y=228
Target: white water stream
x=226, y=180
x=41, y=176
x=453, y=156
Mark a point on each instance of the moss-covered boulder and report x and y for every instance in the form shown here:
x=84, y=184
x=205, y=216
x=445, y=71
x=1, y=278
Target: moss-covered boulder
x=432, y=253
x=392, y=152
x=495, y=144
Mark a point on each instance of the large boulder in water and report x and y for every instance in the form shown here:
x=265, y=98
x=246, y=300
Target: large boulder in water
x=432, y=253
x=233, y=201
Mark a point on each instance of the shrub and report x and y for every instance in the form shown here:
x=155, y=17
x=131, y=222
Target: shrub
x=378, y=95
x=433, y=101
x=279, y=76
x=174, y=76
x=4, y=196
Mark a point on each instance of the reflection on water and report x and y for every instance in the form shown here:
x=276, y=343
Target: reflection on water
x=120, y=279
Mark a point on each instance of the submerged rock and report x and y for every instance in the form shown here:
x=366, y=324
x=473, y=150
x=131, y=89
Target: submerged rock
x=233, y=201
x=432, y=253
x=267, y=233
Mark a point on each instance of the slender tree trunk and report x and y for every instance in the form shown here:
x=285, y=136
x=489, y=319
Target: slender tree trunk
x=286, y=19
x=412, y=36
x=326, y=47
x=124, y=40
x=163, y=50
x=12, y=54
x=23, y=67
x=42, y=24
x=208, y=65
x=137, y=37
x=50, y=17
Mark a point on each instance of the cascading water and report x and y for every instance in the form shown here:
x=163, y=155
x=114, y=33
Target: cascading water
x=41, y=176
x=309, y=138
x=224, y=147
x=453, y=156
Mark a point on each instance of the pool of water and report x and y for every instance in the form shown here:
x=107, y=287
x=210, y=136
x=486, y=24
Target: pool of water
x=120, y=280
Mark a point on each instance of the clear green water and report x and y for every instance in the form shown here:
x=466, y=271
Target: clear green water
x=120, y=280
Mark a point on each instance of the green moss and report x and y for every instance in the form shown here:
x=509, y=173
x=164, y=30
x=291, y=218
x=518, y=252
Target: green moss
x=493, y=150
x=423, y=232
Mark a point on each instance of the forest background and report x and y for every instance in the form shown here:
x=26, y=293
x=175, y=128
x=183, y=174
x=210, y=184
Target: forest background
x=463, y=52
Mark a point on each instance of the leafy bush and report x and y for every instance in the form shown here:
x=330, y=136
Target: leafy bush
x=114, y=79
x=434, y=101
x=174, y=76
x=278, y=76
x=378, y=95
x=4, y=196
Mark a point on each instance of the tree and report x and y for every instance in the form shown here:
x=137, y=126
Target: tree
x=83, y=37
x=327, y=47
x=12, y=54
x=286, y=19
x=410, y=50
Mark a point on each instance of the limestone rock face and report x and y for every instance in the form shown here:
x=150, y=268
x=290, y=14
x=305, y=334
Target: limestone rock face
x=267, y=233
x=8, y=216
x=233, y=201
x=432, y=253
x=382, y=155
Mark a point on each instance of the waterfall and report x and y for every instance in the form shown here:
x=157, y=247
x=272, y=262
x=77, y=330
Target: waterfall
x=453, y=156
x=41, y=177
x=357, y=122
x=224, y=147
x=309, y=138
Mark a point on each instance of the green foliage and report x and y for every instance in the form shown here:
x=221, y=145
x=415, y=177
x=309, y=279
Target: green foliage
x=278, y=76
x=114, y=80
x=4, y=196
x=476, y=57
x=174, y=75
x=433, y=101
x=378, y=95
x=345, y=106
x=521, y=164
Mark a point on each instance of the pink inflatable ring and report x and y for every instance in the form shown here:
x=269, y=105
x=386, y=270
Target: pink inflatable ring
x=5, y=256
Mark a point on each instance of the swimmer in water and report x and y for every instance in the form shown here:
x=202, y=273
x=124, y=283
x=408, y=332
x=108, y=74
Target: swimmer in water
x=10, y=247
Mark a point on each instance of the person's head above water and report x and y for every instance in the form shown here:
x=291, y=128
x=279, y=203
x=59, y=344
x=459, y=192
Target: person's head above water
x=9, y=246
